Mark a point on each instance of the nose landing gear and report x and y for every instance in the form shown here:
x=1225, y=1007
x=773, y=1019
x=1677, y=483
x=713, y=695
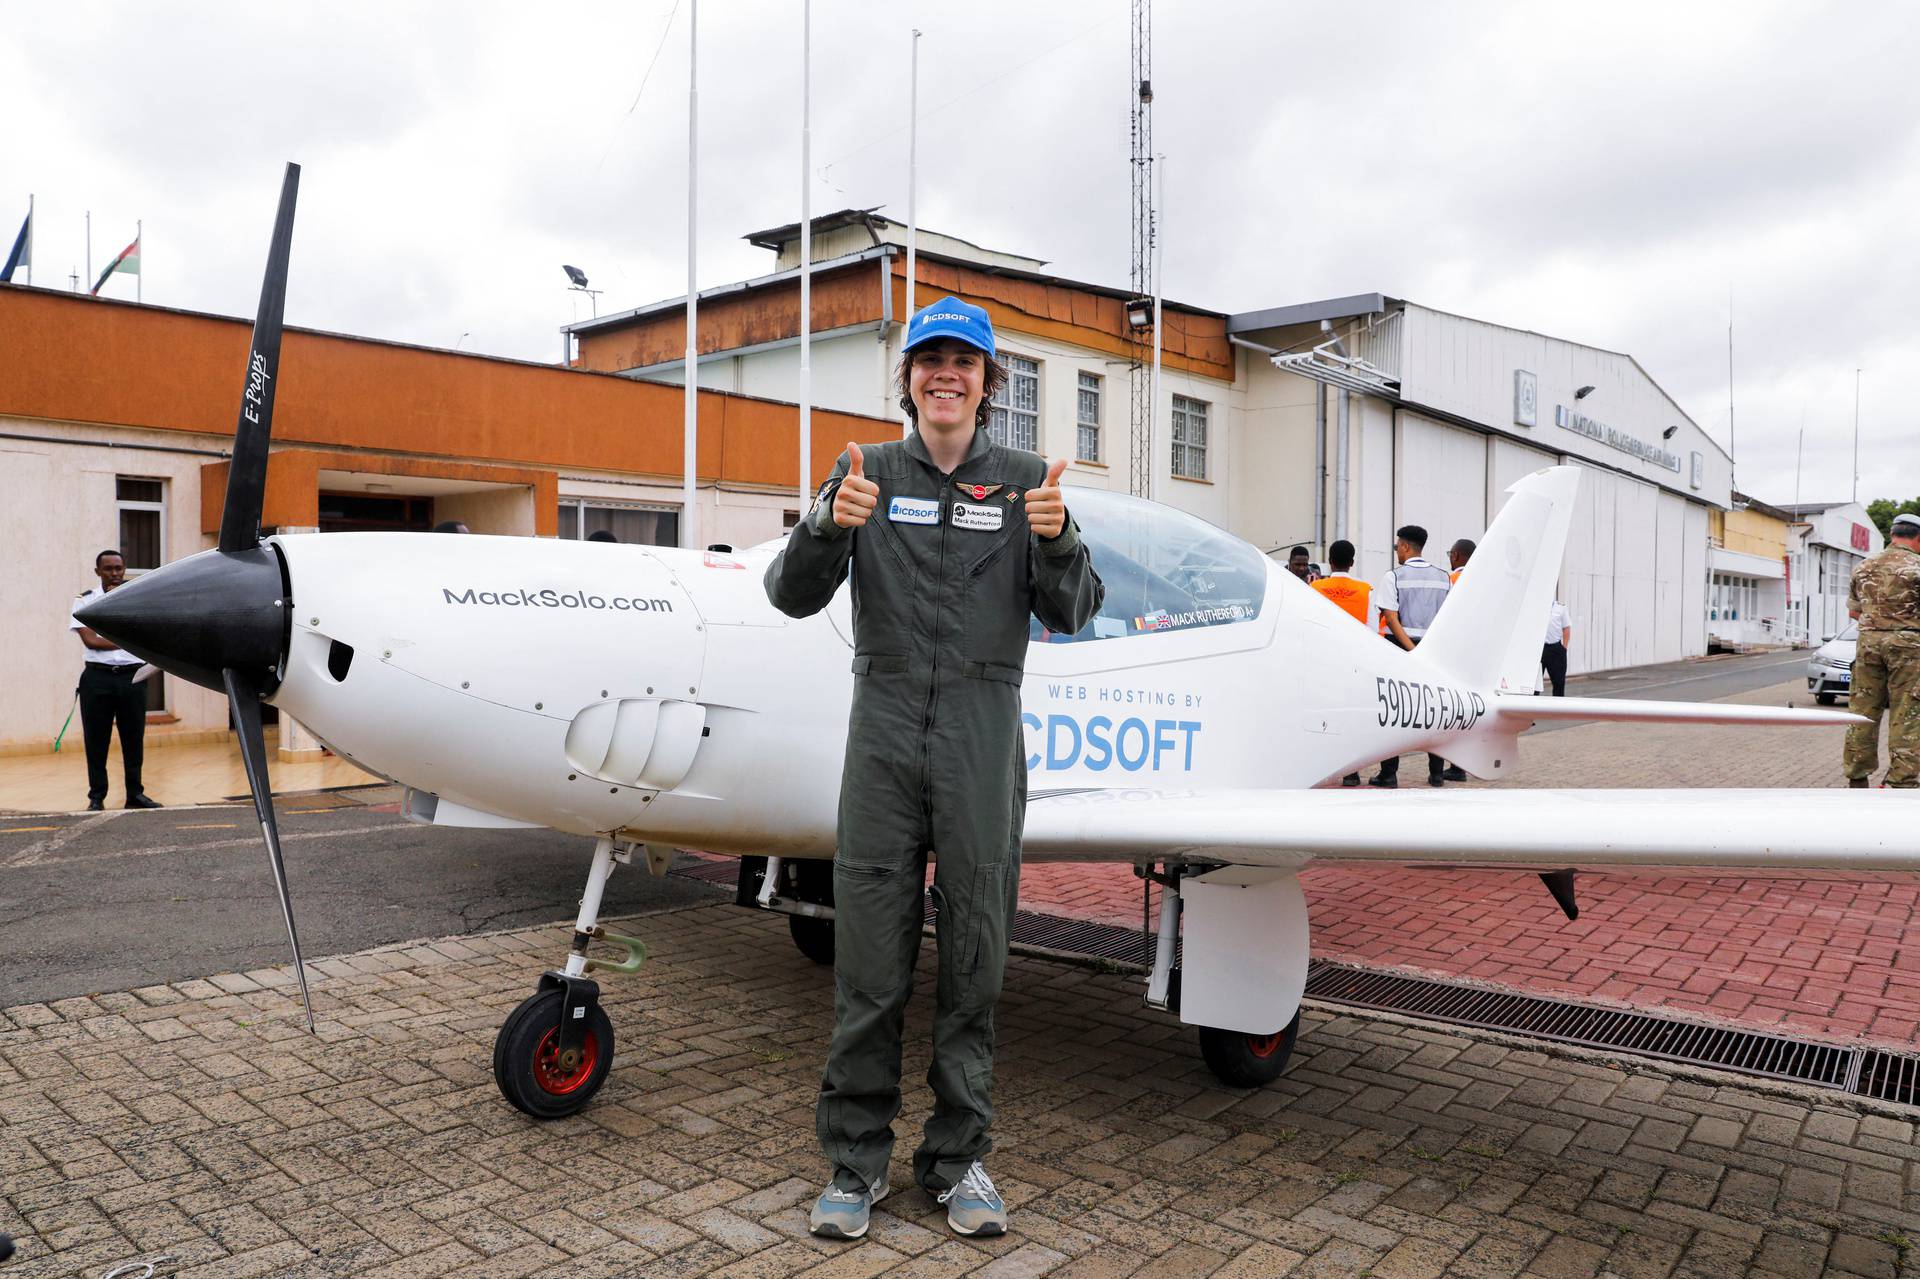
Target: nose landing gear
x=553, y=1051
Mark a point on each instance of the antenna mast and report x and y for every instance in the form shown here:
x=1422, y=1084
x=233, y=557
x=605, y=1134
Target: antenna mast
x=1140, y=374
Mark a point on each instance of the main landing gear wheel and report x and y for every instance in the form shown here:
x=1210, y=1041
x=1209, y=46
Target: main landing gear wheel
x=534, y=1074
x=813, y=936
x=1248, y=1061
x=813, y=882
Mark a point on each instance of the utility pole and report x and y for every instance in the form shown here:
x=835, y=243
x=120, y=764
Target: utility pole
x=1733, y=469
x=806, y=254
x=689, y=486
x=913, y=188
x=1141, y=381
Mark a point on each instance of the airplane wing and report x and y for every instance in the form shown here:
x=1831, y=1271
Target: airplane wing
x=1718, y=832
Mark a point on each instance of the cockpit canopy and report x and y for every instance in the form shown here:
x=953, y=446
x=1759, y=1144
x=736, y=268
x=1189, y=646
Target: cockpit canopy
x=1165, y=570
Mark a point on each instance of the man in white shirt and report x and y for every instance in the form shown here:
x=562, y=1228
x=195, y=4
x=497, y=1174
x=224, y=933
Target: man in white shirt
x=1553, y=653
x=109, y=696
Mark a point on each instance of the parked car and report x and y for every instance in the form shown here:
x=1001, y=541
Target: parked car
x=1830, y=669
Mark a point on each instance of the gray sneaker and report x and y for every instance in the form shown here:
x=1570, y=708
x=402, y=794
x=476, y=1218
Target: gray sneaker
x=843, y=1214
x=974, y=1207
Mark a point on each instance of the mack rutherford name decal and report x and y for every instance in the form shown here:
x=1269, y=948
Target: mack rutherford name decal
x=550, y=598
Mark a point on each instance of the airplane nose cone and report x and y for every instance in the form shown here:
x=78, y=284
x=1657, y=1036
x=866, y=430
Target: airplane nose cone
x=198, y=616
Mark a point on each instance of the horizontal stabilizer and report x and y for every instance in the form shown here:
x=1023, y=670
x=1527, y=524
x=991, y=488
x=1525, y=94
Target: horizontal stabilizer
x=1511, y=708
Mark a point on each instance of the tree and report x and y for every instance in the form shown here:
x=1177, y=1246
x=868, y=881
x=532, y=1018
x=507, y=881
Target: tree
x=1883, y=509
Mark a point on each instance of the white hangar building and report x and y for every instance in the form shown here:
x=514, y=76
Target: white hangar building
x=1409, y=415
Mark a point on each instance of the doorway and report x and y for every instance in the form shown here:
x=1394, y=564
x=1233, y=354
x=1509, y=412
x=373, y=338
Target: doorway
x=374, y=513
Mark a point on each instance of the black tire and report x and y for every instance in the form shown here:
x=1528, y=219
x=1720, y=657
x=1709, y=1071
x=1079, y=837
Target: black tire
x=1240, y=1060
x=525, y=1063
x=813, y=882
x=814, y=937
x=1825, y=699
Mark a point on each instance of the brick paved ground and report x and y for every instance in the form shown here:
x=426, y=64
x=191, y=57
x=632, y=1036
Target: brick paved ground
x=1830, y=959
x=198, y=1120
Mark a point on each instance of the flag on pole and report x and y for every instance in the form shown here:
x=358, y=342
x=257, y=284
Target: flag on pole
x=22, y=254
x=128, y=261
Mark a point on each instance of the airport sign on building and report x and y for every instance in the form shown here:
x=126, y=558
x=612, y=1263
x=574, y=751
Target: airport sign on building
x=1573, y=420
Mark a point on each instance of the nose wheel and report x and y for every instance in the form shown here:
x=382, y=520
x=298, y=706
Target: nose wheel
x=544, y=1073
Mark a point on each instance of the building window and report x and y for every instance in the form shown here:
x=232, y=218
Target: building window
x=1087, y=436
x=142, y=510
x=789, y=518
x=635, y=522
x=1014, y=419
x=1189, y=438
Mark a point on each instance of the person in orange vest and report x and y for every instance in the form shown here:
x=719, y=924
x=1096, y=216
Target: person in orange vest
x=1350, y=593
x=1457, y=556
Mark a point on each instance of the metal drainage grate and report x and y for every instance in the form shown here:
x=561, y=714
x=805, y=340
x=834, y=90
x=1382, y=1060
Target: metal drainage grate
x=1867, y=1072
x=1864, y=1072
x=1889, y=1077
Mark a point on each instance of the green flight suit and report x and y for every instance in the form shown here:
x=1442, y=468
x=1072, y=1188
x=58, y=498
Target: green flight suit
x=945, y=575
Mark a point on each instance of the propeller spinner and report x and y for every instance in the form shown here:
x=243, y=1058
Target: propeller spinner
x=220, y=618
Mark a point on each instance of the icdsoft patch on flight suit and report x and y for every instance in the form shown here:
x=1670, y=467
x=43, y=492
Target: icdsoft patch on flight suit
x=945, y=576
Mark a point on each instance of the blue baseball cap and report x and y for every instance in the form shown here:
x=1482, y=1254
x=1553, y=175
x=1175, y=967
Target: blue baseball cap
x=951, y=318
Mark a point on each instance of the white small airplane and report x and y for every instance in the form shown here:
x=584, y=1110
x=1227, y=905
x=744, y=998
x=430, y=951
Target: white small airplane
x=653, y=698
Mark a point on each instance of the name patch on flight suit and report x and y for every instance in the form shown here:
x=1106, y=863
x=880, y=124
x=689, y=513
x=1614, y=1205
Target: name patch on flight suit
x=984, y=518
x=913, y=510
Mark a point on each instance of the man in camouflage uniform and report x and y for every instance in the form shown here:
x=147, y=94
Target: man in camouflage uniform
x=1885, y=596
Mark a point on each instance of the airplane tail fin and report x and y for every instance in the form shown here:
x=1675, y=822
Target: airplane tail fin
x=1489, y=631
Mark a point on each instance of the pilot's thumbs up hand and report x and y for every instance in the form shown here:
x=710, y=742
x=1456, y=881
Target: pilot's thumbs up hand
x=1046, y=508
x=854, y=500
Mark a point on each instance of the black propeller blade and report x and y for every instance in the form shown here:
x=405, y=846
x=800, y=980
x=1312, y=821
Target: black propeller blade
x=240, y=533
x=244, y=697
x=247, y=476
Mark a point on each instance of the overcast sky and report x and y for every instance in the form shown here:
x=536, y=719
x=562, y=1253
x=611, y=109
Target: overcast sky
x=1608, y=173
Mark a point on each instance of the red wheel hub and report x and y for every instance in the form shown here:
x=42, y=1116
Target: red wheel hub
x=558, y=1077
x=1265, y=1045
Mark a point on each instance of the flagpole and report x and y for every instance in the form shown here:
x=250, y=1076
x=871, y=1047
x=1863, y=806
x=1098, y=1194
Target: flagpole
x=913, y=183
x=140, y=251
x=806, y=252
x=30, y=242
x=1856, y=435
x=89, y=244
x=690, y=516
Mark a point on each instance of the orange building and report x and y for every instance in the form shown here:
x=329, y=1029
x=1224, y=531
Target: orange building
x=115, y=419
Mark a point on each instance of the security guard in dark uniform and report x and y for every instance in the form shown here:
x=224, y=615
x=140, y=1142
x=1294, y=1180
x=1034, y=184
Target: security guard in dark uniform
x=953, y=542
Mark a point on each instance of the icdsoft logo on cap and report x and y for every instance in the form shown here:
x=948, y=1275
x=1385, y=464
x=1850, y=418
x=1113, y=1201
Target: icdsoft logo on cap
x=952, y=318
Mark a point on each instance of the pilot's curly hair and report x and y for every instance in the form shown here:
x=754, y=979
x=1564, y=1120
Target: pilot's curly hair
x=995, y=378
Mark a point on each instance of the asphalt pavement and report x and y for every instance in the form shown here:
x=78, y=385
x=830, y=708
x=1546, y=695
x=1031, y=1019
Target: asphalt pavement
x=1693, y=680
x=115, y=900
